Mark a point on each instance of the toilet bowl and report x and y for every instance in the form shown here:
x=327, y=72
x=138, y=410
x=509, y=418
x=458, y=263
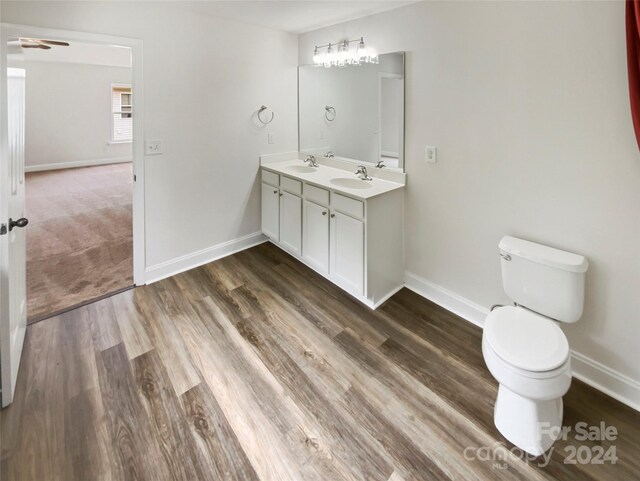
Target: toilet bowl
x=523, y=345
x=528, y=355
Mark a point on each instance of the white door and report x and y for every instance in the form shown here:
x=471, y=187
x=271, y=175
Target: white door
x=291, y=222
x=347, y=252
x=270, y=212
x=315, y=237
x=13, y=287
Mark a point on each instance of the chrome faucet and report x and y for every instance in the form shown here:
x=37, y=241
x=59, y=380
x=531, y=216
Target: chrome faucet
x=312, y=160
x=329, y=155
x=380, y=164
x=362, y=173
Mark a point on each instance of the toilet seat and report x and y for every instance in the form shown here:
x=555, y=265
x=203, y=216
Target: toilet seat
x=504, y=370
x=527, y=342
x=534, y=385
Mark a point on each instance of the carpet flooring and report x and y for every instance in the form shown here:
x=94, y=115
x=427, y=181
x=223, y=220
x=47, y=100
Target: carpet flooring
x=79, y=238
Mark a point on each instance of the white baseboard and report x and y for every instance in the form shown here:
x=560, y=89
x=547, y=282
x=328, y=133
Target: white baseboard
x=201, y=257
x=593, y=373
x=77, y=163
x=605, y=379
x=469, y=311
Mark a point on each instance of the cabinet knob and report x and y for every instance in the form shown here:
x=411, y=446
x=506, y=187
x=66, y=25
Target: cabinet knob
x=275, y=191
x=324, y=213
x=333, y=215
x=280, y=194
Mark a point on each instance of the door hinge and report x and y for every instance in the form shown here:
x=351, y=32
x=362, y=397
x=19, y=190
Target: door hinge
x=3, y=229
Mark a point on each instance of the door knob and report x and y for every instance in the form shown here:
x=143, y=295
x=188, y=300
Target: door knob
x=18, y=223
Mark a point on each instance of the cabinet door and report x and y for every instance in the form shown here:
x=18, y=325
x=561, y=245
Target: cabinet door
x=347, y=252
x=270, y=212
x=291, y=222
x=315, y=236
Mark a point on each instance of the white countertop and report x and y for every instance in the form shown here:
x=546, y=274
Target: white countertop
x=326, y=177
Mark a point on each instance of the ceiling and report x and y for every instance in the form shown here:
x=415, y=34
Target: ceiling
x=292, y=16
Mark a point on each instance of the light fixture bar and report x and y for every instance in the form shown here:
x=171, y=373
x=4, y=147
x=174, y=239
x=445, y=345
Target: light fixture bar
x=340, y=54
x=341, y=41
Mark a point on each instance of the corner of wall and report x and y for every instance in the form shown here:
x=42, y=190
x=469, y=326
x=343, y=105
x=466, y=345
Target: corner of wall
x=201, y=257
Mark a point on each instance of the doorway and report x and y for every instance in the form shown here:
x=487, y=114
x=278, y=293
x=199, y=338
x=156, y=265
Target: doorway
x=391, y=95
x=78, y=136
x=13, y=228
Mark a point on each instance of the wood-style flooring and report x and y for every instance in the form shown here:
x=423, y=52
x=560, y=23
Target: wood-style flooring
x=79, y=237
x=256, y=368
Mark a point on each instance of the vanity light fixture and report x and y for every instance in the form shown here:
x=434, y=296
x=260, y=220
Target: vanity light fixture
x=341, y=54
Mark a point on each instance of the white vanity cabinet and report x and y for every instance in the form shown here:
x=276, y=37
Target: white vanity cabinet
x=315, y=236
x=354, y=242
x=291, y=222
x=271, y=211
x=347, y=252
x=282, y=211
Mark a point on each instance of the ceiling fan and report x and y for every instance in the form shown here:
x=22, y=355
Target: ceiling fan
x=26, y=42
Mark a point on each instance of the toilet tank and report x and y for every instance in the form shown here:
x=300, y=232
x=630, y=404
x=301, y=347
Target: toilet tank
x=546, y=280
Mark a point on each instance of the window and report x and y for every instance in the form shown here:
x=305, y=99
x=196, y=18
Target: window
x=121, y=119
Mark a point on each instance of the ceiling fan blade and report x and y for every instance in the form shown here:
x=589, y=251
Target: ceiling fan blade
x=35, y=45
x=55, y=42
x=41, y=41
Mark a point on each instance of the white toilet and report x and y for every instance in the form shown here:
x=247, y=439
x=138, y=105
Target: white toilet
x=523, y=346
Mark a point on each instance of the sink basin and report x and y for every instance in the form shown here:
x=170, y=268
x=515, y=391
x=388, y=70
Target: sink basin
x=351, y=183
x=302, y=169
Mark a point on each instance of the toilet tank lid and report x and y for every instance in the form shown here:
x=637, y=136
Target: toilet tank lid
x=543, y=254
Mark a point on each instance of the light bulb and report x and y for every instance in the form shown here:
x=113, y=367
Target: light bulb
x=372, y=56
x=362, y=49
x=317, y=60
x=341, y=56
x=321, y=58
x=345, y=50
x=344, y=53
x=326, y=61
x=353, y=57
x=331, y=56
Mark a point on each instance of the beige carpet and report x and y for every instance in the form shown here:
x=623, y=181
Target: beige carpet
x=79, y=238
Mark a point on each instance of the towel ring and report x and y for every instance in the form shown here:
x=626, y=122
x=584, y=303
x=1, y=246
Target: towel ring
x=262, y=109
x=330, y=111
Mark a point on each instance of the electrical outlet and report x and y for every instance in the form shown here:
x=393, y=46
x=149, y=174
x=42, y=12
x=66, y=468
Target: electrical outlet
x=430, y=154
x=152, y=147
x=270, y=138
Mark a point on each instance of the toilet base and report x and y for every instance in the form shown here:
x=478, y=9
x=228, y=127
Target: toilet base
x=531, y=425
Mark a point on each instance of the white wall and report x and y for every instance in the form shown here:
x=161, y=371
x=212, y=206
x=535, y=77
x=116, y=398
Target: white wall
x=68, y=113
x=528, y=105
x=204, y=78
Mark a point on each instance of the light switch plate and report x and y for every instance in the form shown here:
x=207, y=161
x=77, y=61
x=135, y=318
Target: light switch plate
x=430, y=154
x=152, y=147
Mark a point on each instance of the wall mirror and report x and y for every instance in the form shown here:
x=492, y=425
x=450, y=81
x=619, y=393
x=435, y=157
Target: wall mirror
x=355, y=112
